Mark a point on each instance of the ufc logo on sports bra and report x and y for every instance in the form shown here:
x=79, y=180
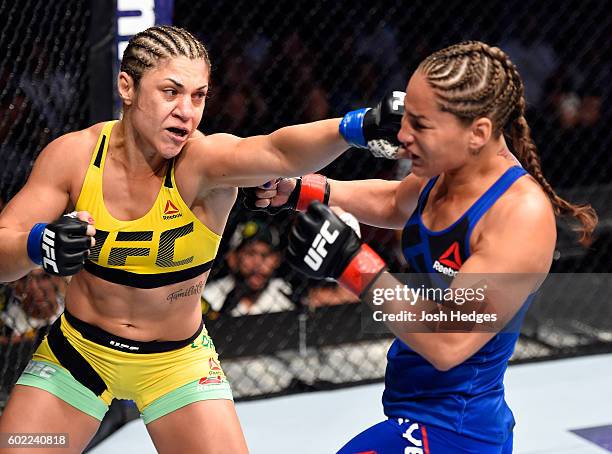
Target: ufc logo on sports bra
x=165, y=253
x=317, y=252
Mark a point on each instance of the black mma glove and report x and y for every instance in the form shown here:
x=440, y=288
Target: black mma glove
x=61, y=247
x=321, y=245
x=307, y=189
x=377, y=128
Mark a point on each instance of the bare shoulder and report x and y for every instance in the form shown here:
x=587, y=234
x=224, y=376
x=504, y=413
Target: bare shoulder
x=56, y=175
x=205, y=155
x=219, y=140
x=522, y=220
x=212, y=204
x=202, y=147
x=524, y=202
x=70, y=149
x=65, y=159
x=193, y=162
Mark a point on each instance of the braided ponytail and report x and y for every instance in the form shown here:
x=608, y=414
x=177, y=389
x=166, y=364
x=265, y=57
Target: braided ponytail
x=527, y=154
x=472, y=80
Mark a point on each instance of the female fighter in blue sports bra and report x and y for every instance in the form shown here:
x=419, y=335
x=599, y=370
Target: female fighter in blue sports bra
x=156, y=193
x=468, y=208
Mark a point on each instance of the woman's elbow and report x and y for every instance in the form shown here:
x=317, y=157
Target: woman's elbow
x=445, y=358
x=443, y=365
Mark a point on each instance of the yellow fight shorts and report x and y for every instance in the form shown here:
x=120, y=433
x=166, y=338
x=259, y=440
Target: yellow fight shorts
x=87, y=367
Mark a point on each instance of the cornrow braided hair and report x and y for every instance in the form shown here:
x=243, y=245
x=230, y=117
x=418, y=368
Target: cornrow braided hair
x=146, y=48
x=472, y=80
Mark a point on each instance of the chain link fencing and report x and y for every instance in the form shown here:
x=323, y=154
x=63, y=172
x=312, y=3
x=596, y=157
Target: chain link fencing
x=44, y=51
x=282, y=62
x=285, y=62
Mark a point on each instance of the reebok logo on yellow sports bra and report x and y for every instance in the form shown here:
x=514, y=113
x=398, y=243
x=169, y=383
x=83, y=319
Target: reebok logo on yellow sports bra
x=167, y=245
x=171, y=212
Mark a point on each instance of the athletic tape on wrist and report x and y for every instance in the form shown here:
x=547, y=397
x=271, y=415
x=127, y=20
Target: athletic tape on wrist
x=351, y=128
x=314, y=187
x=361, y=271
x=34, y=242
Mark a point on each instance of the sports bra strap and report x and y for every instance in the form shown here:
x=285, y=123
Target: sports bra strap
x=425, y=194
x=487, y=200
x=168, y=177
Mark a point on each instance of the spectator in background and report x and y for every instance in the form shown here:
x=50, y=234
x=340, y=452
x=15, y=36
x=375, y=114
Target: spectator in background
x=236, y=111
x=594, y=138
x=27, y=307
x=556, y=130
x=236, y=106
x=251, y=287
x=590, y=111
x=366, y=87
x=34, y=302
x=20, y=138
x=284, y=64
x=534, y=57
x=378, y=43
x=315, y=105
x=573, y=133
x=51, y=89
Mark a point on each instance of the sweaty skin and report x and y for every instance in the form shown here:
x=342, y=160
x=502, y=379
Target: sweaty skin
x=207, y=171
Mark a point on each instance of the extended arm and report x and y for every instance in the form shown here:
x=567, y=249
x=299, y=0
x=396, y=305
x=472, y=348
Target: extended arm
x=380, y=203
x=227, y=160
x=232, y=161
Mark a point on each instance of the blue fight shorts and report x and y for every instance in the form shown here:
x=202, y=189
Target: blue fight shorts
x=403, y=436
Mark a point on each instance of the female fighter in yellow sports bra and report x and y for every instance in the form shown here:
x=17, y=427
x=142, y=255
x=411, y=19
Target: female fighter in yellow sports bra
x=168, y=244
x=156, y=194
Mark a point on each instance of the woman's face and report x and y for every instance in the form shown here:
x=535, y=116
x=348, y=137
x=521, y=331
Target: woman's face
x=434, y=140
x=38, y=294
x=169, y=102
x=255, y=263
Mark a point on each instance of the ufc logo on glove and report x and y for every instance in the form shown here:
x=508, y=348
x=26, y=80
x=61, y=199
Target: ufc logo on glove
x=48, y=247
x=397, y=103
x=317, y=252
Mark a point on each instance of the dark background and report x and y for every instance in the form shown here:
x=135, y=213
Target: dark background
x=282, y=62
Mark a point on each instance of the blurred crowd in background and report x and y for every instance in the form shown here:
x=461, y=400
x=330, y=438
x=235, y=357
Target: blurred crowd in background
x=284, y=62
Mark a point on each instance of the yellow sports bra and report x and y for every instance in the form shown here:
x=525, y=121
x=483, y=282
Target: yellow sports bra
x=167, y=245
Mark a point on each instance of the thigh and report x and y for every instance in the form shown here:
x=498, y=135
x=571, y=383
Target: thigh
x=395, y=436
x=207, y=427
x=388, y=437
x=31, y=409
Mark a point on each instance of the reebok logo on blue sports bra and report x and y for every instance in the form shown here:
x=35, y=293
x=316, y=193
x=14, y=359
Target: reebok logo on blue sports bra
x=450, y=261
x=469, y=398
